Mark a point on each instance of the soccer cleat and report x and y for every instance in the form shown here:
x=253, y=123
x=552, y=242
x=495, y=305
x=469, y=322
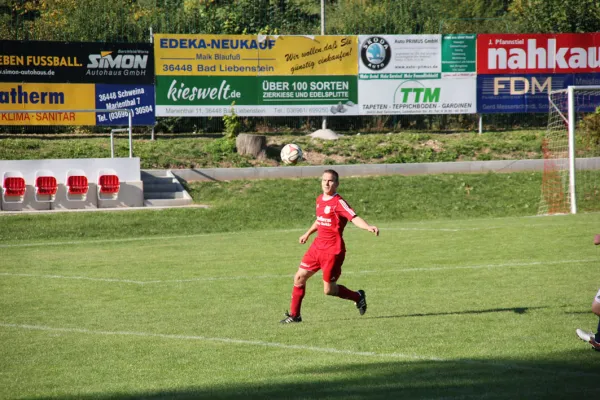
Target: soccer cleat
x=290, y=319
x=588, y=337
x=362, y=303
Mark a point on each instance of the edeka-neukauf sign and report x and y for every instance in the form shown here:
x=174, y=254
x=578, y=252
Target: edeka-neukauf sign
x=48, y=81
x=202, y=75
x=416, y=74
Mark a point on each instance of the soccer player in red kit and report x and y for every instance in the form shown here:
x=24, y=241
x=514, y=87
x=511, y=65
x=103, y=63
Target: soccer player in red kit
x=327, y=251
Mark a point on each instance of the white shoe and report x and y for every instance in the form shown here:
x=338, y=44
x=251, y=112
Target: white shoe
x=588, y=337
x=585, y=336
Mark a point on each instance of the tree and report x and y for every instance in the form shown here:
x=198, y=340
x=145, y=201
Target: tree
x=556, y=16
x=474, y=16
x=415, y=17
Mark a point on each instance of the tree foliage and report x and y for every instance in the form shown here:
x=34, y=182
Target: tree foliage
x=556, y=16
x=132, y=20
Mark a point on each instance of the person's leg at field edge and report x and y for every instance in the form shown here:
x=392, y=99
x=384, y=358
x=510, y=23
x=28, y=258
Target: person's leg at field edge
x=590, y=337
x=596, y=310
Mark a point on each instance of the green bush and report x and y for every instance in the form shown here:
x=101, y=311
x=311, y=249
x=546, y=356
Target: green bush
x=232, y=123
x=590, y=126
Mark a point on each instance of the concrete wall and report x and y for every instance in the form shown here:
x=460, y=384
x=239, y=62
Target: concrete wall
x=458, y=167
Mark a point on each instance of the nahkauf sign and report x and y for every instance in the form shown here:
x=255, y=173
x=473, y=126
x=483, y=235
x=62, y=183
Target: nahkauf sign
x=515, y=72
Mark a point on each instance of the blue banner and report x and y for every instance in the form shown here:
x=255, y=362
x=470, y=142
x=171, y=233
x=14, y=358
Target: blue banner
x=527, y=93
x=138, y=98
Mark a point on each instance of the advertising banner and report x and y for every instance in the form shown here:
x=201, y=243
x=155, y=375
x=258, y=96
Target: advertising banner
x=564, y=53
x=203, y=75
x=83, y=62
x=459, y=55
x=517, y=71
x=416, y=74
x=81, y=76
x=138, y=98
x=46, y=96
x=526, y=92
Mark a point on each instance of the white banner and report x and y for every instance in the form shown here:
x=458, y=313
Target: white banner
x=342, y=108
x=402, y=74
x=417, y=96
x=400, y=53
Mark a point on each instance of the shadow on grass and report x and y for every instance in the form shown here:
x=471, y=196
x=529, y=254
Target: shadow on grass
x=562, y=376
x=516, y=310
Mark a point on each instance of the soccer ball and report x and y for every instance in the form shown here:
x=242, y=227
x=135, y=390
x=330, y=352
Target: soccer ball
x=291, y=153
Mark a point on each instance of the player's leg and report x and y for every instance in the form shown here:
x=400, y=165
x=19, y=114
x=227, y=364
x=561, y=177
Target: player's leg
x=299, y=290
x=596, y=310
x=332, y=270
x=590, y=337
x=308, y=267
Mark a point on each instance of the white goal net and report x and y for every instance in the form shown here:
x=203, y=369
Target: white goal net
x=571, y=151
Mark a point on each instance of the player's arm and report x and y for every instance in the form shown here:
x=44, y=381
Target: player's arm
x=310, y=231
x=362, y=224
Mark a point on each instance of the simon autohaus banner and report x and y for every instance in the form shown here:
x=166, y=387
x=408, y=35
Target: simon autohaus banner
x=417, y=74
x=515, y=72
x=48, y=77
x=203, y=75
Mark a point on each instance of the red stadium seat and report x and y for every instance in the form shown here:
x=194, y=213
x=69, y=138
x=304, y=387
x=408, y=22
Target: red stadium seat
x=13, y=187
x=109, y=184
x=45, y=186
x=77, y=184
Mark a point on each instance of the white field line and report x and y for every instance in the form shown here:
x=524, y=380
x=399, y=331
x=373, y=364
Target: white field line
x=200, y=235
x=219, y=340
x=137, y=239
x=83, y=278
x=275, y=276
x=316, y=349
x=254, y=233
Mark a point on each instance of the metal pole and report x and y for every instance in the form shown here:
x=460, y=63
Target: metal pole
x=112, y=144
x=322, y=17
x=324, y=123
x=480, y=124
x=152, y=41
x=130, y=138
x=571, y=94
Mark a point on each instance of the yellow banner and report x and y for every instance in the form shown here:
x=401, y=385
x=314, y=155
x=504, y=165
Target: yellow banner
x=46, y=100
x=252, y=55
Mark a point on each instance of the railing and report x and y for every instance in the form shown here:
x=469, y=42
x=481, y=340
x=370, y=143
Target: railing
x=128, y=111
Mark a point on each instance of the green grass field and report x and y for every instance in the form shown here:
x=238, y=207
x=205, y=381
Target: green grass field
x=458, y=309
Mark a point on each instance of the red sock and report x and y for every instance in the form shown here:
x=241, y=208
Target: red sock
x=297, y=296
x=345, y=293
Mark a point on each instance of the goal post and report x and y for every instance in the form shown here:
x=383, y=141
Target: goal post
x=571, y=151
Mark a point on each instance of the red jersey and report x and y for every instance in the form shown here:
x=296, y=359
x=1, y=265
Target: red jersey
x=332, y=217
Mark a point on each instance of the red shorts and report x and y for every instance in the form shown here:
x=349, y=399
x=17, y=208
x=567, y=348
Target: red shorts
x=331, y=264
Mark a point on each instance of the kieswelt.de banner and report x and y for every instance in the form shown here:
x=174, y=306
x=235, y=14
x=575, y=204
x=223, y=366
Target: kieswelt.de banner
x=264, y=75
